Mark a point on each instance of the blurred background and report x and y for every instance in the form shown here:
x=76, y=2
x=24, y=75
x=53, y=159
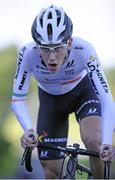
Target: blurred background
x=94, y=20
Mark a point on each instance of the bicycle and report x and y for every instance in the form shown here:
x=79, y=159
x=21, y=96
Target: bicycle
x=71, y=155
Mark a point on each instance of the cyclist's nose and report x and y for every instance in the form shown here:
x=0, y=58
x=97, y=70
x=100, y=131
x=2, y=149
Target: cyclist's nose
x=52, y=56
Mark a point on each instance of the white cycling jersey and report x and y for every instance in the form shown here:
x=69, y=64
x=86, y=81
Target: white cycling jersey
x=82, y=60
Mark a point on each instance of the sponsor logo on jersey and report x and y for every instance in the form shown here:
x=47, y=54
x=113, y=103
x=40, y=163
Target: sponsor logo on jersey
x=20, y=59
x=42, y=136
x=55, y=140
x=69, y=72
x=52, y=80
x=42, y=70
x=92, y=81
x=37, y=66
x=85, y=103
x=23, y=80
x=78, y=47
x=92, y=111
x=102, y=81
x=44, y=154
x=93, y=65
x=71, y=80
x=70, y=64
x=61, y=154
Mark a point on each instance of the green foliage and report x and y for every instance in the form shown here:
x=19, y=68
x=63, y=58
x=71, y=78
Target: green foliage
x=82, y=175
x=85, y=162
x=7, y=158
x=110, y=73
x=8, y=152
x=8, y=61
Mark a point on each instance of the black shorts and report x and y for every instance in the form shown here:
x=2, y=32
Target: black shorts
x=54, y=111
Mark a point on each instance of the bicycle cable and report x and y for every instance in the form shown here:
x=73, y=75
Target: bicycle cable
x=62, y=167
x=107, y=170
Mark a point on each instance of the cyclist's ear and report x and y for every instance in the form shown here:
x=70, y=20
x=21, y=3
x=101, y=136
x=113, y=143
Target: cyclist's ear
x=69, y=42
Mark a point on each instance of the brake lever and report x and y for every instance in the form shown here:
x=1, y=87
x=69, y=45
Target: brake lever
x=24, y=155
x=107, y=165
x=26, y=158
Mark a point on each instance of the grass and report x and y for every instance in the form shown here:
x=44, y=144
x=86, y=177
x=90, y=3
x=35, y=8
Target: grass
x=82, y=175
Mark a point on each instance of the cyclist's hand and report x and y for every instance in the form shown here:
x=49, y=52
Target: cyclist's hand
x=29, y=139
x=107, y=152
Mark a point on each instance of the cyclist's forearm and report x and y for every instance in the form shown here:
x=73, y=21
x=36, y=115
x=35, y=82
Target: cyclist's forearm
x=20, y=110
x=106, y=100
x=107, y=104
x=107, y=125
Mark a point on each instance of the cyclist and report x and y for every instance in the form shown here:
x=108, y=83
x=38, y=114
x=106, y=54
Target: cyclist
x=70, y=79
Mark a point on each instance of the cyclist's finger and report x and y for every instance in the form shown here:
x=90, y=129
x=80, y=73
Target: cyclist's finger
x=105, y=150
x=32, y=138
x=106, y=159
x=106, y=155
x=29, y=139
x=25, y=144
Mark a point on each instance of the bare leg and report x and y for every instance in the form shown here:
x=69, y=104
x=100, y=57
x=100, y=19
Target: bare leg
x=52, y=168
x=91, y=136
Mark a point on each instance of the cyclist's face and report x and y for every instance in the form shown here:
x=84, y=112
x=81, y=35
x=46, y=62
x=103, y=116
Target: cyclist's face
x=54, y=55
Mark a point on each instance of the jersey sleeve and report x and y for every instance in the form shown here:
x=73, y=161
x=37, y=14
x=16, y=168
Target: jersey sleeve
x=101, y=87
x=20, y=89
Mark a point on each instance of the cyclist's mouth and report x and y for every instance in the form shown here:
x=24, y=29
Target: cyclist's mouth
x=52, y=67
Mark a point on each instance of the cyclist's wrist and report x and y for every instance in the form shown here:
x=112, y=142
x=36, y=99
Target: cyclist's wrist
x=31, y=131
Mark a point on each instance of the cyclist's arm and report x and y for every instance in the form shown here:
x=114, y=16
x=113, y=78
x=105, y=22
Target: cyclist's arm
x=20, y=90
x=102, y=89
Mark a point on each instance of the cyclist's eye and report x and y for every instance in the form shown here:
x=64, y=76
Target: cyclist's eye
x=45, y=50
x=58, y=49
